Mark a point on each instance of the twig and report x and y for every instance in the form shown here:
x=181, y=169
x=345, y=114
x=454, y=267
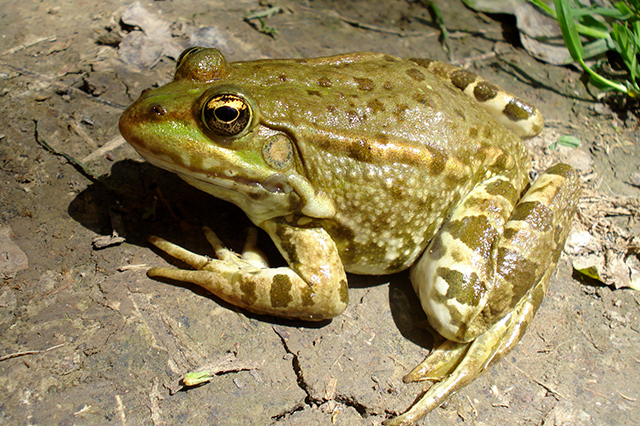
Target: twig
x=23, y=353
x=443, y=29
x=111, y=144
x=120, y=410
x=75, y=125
x=25, y=45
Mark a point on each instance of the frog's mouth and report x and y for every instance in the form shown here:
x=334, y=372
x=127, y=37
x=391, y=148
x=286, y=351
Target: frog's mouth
x=260, y=200
x=227, y=180
x=276, y=195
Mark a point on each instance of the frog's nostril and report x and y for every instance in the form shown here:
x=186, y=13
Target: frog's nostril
x=158, y=110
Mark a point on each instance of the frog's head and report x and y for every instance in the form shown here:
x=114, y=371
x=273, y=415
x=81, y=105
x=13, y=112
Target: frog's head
x=209, y=132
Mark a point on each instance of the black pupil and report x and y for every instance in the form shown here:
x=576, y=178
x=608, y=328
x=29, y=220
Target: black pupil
x=226, y=114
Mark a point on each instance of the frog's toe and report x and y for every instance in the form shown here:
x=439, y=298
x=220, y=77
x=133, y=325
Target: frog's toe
x=251, y=253
x=441, y=362
x=195, y=260
x=455, y=365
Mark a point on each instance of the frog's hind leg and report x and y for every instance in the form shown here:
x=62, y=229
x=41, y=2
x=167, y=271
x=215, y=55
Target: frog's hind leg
x=484, y=322
x=514, y=113
x=454, y=365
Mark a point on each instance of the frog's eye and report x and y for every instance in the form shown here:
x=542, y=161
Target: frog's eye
x=227, y=114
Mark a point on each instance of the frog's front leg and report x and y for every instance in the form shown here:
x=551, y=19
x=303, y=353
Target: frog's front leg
x=313, y=288
x=481, y=280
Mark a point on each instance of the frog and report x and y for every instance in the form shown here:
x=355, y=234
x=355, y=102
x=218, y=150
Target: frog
x=366, y=163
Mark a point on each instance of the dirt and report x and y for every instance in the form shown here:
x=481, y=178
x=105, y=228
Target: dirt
x=87, y=338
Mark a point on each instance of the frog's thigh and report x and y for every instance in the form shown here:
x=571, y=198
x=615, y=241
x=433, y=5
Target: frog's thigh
x=477, y=268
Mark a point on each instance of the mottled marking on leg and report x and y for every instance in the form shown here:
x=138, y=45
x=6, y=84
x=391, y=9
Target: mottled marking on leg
x=475, y=232
x=437, y=249
x=544, y=184
x=344, y=292
x=485, y=91
x=467, y=289
x=517, y=110
x=480, y=204
x=284, y=234
x=462, y=78
x=248, y=289
x=563, y=170
x=281, y=291
x=306, y=295
x=457, y=255
x=521, y=273
x=502, y=188
x=538, y=216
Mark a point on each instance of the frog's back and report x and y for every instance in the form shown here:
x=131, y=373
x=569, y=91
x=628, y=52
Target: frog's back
x=392, y=145
x=367, y=96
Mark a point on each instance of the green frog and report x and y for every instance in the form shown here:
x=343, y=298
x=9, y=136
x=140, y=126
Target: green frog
x=369, y=164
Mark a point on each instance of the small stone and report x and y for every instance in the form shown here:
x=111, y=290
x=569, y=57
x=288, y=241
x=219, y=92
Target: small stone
x=12, y=258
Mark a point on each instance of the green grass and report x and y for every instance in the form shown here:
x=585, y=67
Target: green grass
x=590, y=31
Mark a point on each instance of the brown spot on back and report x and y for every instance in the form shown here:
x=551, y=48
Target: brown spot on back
x=353, y=116
x=416, y=74
x=375, y=105
x=424, y=62
x=324, y=82
x=360, y=150
x=438, y=161
x=387, y=85
x=365, y=84
x=424, y=99
x=460, y=114
x=400, y=111
x=314, y=93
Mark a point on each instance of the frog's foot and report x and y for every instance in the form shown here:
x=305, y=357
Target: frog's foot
x=247, y=281
x=512, y=112
x=454, y=365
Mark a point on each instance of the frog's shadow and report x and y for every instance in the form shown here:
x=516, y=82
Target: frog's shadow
x=130, y=195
